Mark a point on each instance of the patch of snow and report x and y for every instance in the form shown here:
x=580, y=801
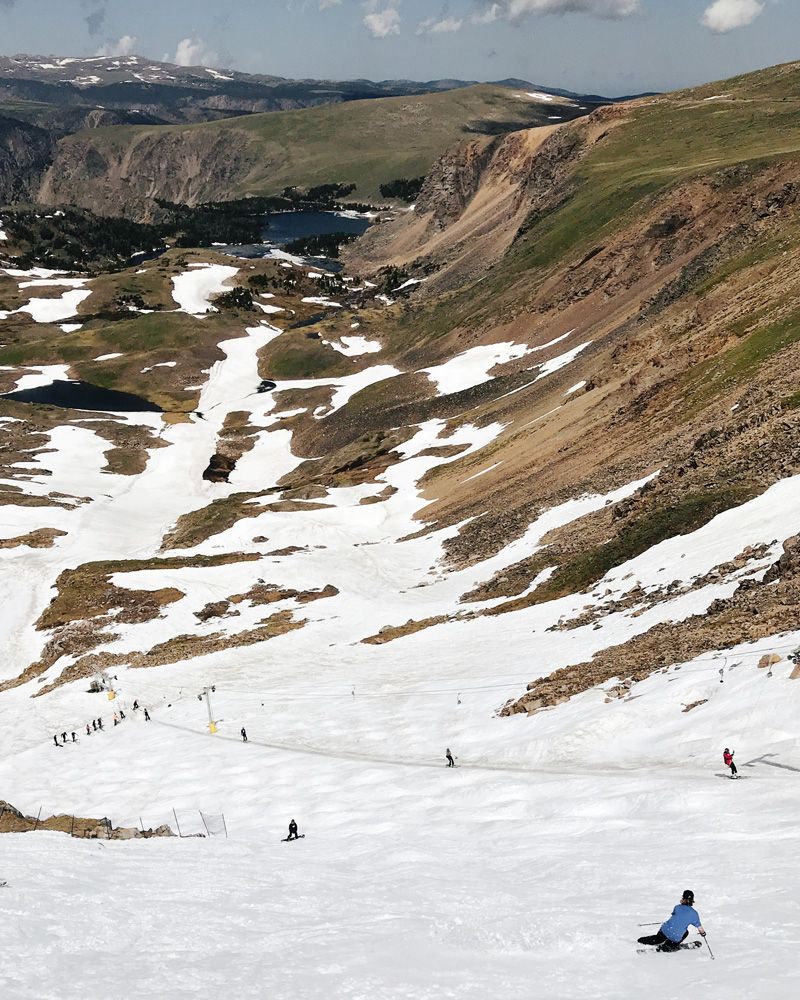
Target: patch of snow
x=409, y=283
x=49, y=282
x=481, y=473
x=160, y=364
x=549, y=367
x=574, y=388
x=322, y=301
x=193, y=289
x=42, y=375
x=473, y=366
x=107, y=357
x=267, y=308
x=70, y=327
x=53, y=310
x=354, y=346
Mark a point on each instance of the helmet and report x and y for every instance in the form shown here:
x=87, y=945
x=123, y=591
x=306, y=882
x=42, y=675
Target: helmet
x=688, y=895
x=727, y=750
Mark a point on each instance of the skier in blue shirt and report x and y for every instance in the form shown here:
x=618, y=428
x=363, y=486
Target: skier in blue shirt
x=674, y=930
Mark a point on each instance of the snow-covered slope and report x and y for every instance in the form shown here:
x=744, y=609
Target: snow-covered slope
x=525, y=872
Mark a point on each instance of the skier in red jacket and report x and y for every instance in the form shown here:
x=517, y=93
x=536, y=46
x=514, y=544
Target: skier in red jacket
x=727, y=756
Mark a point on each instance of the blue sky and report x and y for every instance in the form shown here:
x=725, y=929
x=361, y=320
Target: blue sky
x=611, y=47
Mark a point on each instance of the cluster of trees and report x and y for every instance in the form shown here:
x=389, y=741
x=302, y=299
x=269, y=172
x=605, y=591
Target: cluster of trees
x=403, y=188
x=264, y=282
x=326, y=245
x=76, y=239
x=239, y=298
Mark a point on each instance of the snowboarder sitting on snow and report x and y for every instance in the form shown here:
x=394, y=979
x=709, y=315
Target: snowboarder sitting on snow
x=292, y=831
x=727, y=756
x=674, y=930
x=450, y=761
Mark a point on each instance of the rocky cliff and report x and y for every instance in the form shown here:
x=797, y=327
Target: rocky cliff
x=125, y=177
x=25, y=153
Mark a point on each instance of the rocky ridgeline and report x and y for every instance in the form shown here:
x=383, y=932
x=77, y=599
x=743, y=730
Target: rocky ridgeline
x=757, y=609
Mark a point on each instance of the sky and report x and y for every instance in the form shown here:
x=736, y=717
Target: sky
x=610, y=47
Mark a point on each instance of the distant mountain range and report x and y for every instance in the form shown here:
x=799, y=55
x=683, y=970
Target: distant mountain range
x=44, y=99
x=162, y=93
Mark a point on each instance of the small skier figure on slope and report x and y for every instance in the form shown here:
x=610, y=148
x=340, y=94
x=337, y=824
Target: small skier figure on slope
x=146, y=716
x=727, y=756
x=292, y=831
x=450, y=761
x=674, y=930
x=244, y=735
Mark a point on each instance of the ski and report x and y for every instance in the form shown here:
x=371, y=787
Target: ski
x=733, y=777
x=687, y=946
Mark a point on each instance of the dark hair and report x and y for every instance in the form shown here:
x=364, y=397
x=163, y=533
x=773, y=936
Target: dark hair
x=688, y=895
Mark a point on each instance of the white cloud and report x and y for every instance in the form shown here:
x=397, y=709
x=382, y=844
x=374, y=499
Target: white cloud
x=323, y=4
x=516, y=10
x=725, y=15
x=489, y=15
x=122, y=47
x=194, y=52
x=446, y=25
x=382, y=23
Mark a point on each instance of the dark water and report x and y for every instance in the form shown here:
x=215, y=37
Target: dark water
x=283, y=227
x=77, y=395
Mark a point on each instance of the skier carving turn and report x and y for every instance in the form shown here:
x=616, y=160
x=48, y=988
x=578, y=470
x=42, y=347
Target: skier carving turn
x=673, y=931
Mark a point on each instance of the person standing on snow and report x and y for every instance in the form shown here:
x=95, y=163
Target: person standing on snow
x=292, y=831
x=450, y=761
x=146, y=716
x=244, y=735
x=727, y=756
x=674, y=930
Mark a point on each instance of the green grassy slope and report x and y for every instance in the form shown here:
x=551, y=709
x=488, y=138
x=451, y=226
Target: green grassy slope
x=662, y=142
x=363, y=142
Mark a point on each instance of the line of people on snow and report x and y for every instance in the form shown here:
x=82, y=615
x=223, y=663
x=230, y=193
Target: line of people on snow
x=97, y=724
x=727, y=756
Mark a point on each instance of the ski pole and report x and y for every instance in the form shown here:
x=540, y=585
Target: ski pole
x=711, y=953
x=655, y=924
